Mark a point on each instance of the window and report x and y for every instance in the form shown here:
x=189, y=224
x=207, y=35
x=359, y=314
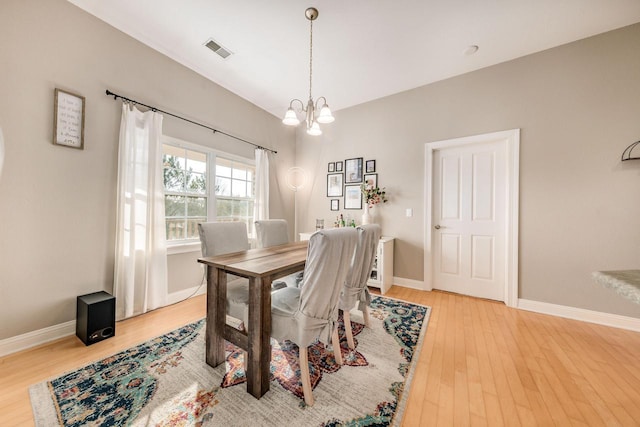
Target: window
x=190, y=199
x=234, y=191
x=185, y=191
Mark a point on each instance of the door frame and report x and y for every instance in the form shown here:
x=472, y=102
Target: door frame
x=512, y=141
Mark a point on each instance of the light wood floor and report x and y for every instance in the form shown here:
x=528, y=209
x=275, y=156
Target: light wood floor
x=481, y=364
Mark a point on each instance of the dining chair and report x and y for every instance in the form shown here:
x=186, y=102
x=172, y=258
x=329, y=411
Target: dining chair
x=219, y=238
x=310, y=312
x=273, y=232
x=355, y=290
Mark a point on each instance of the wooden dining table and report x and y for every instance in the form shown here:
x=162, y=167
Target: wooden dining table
x=261, y=266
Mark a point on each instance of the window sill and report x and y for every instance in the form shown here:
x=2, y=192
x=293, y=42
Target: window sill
x=183, y=248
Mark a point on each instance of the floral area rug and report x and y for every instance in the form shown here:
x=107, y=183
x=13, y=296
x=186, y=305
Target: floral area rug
x=166, y=382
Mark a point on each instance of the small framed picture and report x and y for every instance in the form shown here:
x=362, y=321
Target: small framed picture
x=370, y=166
x=339, y=166
x=371, y=179
x=335, y=204
x=352, y=197
x=332, y=167
x=68, y=119
x=334, y=185
x=353, y=170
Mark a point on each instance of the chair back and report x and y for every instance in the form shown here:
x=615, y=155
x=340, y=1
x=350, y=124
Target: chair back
x=219, y=238
x=355, y=288
x=272, y=232
x=328, y=261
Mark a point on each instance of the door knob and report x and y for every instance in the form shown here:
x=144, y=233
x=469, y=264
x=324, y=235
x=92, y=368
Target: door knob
x=437, y=227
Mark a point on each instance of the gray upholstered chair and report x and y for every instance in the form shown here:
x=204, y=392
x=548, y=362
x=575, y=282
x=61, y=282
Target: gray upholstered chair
x=273, y=232
x=219, y=238
x=355, y=289
x=310, y=312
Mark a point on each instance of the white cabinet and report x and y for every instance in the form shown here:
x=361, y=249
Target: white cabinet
x=382, y=273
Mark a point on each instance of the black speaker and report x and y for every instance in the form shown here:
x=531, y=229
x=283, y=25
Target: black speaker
x=95, y=317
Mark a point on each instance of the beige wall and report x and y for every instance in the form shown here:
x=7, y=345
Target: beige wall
x=577, y=107
x=57, y=209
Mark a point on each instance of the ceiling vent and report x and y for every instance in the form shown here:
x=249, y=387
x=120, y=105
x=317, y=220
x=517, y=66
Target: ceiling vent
x=214, y=46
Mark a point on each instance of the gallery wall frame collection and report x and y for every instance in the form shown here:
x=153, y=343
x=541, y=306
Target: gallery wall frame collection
x=344, y=179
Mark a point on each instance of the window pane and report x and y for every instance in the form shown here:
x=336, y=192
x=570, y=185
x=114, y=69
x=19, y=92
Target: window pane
x=173, y=179
x=224, y=209
x=196, y=183
x=175, y=229
x=223, y=186
x=173, y=156
x=239, y=173
x=223, y=170
x=250, y=192
x=196, y=206
x=196, y=161
x=239, y=188
x=174, y=206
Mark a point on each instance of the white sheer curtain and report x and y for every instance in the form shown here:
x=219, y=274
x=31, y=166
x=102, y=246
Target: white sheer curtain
x=261, y=205
x=140, y=276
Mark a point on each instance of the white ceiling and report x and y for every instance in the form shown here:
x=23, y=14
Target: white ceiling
x=362, y=50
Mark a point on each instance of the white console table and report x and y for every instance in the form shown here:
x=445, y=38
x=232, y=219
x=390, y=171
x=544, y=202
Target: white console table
x=382, y=273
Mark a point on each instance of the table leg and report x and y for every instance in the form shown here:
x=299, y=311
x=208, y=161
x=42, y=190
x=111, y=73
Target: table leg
x=258, y=368
x=216, y=315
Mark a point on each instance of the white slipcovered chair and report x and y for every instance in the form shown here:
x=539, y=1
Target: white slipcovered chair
x=355, y=289
x=219, y=238
x=310, y=312
x=273, y=232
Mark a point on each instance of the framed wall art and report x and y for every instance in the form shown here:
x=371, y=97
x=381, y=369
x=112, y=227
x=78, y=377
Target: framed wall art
x=352, y=197
x=334, y=185
x=339, y=166
x=371, y=179
x=353, y=170
x=68, y=119
x=331, y=167
x=335, y=204
x=370, y=166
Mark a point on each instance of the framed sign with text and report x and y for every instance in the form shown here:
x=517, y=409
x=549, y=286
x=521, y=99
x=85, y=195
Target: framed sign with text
x=68, y=119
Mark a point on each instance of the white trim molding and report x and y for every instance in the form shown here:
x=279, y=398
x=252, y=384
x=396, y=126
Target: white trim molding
x=584, y=315
x=39, y=337
x=409, y=283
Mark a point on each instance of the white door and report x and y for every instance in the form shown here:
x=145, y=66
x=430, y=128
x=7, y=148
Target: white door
x=469, y=219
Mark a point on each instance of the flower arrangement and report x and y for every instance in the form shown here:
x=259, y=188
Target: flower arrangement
x=373, y=195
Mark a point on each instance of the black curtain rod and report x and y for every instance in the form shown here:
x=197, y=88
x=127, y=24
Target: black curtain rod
x=124, y=98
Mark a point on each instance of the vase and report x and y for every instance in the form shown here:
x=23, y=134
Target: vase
x=366, y=216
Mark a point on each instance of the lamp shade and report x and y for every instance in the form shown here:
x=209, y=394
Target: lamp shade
x=314, y=129
x=325, y=115
x=290, y=118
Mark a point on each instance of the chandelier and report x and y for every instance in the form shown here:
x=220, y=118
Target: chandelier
x=325, y=116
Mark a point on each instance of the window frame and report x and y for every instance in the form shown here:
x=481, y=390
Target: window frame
x=193, y=245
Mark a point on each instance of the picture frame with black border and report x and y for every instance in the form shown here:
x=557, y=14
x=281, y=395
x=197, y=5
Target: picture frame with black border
x=335, y=204
x=331, y=167
x=371, y=179
x=339, y=166
x=334, y=184
x=352, y=197
x=370, y=166
x=353, y=170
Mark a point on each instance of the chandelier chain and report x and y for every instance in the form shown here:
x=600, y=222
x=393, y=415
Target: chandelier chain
x=310, y=56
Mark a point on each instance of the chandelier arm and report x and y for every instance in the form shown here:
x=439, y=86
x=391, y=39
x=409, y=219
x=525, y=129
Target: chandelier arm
x=321, y=105
x=302, y=109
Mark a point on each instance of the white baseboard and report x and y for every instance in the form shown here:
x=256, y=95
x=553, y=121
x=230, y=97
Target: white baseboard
x=34, y=338
x=45, y=335
x=409, y=283
x=607, y=319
